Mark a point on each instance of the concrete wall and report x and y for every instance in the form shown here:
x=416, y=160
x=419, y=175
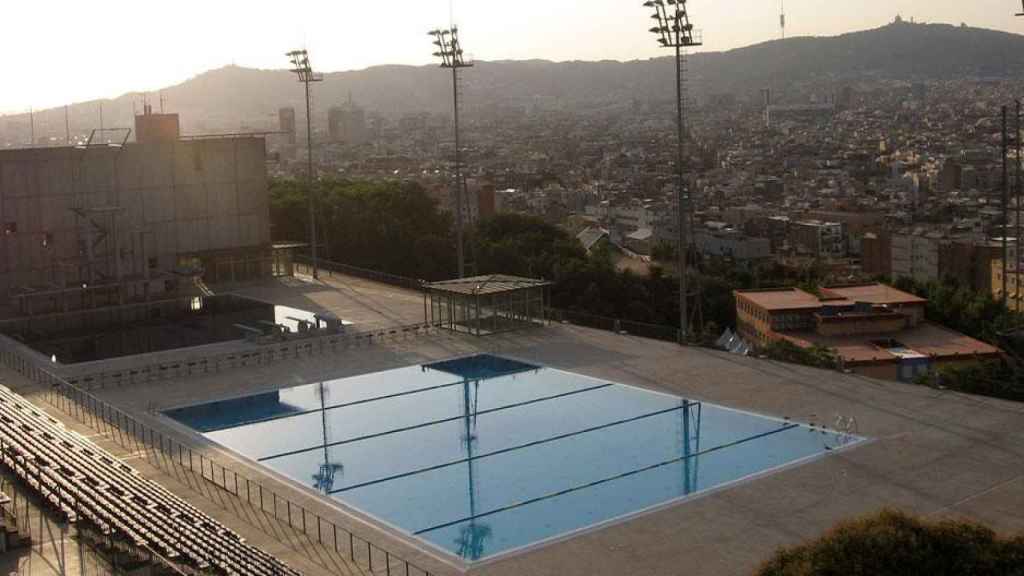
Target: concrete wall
x=177, y=198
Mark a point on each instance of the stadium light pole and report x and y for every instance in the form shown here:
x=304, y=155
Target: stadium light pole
x=449, y=50
x=674, y=30
x=304, y=71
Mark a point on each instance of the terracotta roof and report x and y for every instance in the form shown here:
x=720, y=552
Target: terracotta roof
x=784, y=299
x=926, y=338
x=876, y=294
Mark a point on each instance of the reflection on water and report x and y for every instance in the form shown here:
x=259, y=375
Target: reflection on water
x=483, y=455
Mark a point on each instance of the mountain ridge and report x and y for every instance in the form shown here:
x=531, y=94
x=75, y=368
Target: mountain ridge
x=234, y=97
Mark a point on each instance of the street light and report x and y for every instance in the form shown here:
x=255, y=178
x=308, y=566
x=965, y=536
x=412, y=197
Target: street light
x=674, y=30
x=302, y=68
x=449, y=50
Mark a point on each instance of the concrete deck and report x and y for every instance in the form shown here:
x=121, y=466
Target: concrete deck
x=933, y=453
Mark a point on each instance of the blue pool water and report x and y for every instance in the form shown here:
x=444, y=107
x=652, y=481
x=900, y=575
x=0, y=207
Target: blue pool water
x=484, y=455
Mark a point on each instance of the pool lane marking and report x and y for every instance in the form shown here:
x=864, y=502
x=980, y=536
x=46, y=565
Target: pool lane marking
x=433, y=423
x=334, y=407
x=602, y=481
x=509, y=449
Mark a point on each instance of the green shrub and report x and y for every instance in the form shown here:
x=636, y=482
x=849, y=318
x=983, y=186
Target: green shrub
x=816, y=356
x=892, y=543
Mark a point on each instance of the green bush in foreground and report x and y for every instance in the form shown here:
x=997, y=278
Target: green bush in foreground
x=894, y=544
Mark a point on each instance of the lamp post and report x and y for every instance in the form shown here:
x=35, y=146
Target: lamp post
x=302, y=68
x=449, y=50
x=674, y=30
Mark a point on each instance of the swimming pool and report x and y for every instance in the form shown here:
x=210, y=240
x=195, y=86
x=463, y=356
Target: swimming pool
x=484, y=455
x=102, y=334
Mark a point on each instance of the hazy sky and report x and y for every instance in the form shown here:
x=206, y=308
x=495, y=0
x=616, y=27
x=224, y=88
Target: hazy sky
x=59, y=51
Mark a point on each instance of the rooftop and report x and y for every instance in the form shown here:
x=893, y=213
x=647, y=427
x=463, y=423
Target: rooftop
x=926, y=339
x=880, y=294
x=783, y=299
x=483, y=285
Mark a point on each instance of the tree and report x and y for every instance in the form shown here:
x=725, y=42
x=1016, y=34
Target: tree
x=388, y=226
x=895, y=544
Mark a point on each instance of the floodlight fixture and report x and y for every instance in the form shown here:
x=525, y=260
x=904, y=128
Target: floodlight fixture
x=673, y=29
x=302, y=68
x=448, y=47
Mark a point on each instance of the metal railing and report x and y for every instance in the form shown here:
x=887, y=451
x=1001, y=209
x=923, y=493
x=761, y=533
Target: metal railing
x=263, y=354
x=617, y=325
x=136, y=436
x=304, y=263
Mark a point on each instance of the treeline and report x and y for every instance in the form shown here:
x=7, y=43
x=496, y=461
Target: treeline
x=387, y=226
x=398, y=228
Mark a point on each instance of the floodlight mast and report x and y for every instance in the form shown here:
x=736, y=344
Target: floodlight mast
x=449, y=50
x=304, y=71
x=674, y=30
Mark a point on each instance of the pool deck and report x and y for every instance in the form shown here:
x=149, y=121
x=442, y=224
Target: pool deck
x=933, y=453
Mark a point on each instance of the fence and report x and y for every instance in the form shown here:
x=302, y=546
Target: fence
x=133, y=435
x=619, y=326
x=305, y=264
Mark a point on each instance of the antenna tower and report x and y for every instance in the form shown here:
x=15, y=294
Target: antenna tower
x=782, y=18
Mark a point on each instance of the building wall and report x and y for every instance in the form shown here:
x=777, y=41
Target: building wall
x=151, y=127
x=1014, y=295
x=916, y=257
x=970, y=263
x=732, y=245
x=752, y=322
x=877, y=255
x=174, y=199
x=821, y=240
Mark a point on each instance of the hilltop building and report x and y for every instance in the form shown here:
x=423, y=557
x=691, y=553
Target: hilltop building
x=874, y=329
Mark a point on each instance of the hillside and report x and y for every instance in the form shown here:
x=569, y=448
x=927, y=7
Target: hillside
x=233, y=97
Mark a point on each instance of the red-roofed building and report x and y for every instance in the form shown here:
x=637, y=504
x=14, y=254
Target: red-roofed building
x=875, y=329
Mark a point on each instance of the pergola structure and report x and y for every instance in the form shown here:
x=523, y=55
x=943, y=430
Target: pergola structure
x=484, y=305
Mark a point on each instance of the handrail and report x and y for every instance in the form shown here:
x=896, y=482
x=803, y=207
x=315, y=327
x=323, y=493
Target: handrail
x=259, y=354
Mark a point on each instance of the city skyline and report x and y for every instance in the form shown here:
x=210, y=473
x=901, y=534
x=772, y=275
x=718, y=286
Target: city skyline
x=151, y=51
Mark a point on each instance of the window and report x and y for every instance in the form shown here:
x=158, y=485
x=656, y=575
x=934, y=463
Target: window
x=152, y=262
